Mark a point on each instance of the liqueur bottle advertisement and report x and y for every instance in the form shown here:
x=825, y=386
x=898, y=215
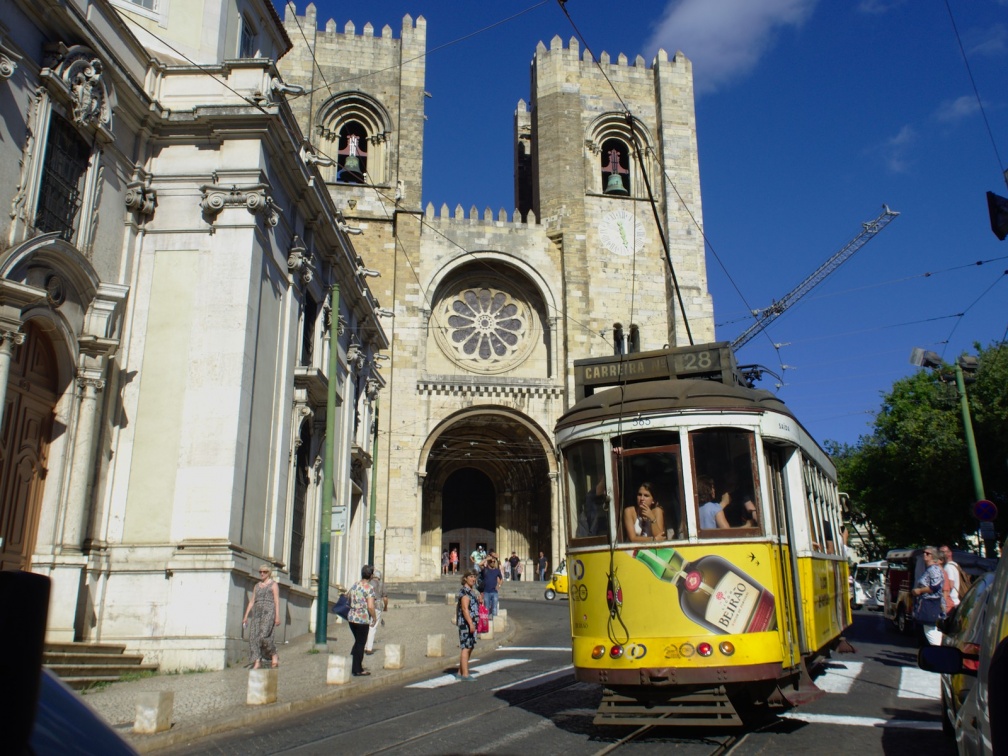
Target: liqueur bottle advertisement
x=713, y=592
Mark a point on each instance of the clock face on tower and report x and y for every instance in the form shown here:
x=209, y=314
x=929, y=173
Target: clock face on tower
x=621, y=233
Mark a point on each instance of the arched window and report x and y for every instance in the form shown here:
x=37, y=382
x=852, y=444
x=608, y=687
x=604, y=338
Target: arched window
x=354, y=129
x=613, y=160
x=352, y=161
x=615, y=170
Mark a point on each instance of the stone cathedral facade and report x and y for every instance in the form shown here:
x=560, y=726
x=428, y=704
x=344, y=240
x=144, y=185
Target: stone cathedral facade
x=491, y=308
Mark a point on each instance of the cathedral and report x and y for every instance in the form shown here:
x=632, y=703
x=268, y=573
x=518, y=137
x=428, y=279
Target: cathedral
x=491, y=308
x=232, y=336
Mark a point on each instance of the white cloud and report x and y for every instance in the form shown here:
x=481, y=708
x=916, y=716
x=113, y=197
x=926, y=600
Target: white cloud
x=951, y=111
x=991, y=41
x=895, y=150
x=725, y=38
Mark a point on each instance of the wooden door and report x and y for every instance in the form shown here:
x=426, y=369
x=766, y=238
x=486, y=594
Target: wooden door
x=24, y=444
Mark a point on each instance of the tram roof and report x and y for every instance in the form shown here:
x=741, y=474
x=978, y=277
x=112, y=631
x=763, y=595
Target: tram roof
x=662, y=396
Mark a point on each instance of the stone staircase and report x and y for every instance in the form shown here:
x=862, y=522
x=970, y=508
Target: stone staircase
x=82, y=665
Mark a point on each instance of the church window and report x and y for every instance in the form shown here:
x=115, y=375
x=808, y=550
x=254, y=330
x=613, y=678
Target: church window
x=246, y=43
x=66, y=163
x=354, y=130
x=308, y=330
x=352, y=160
x=150, y=5
x=615, y=167
x=483, y=322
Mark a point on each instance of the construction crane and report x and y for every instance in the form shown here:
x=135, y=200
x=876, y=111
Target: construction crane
x=778, y=308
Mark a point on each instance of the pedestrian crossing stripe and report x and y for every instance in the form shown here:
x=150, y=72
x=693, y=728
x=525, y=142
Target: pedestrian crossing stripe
x=837, y=719
x=480, y=669
x=839, y=676
x=914, y=682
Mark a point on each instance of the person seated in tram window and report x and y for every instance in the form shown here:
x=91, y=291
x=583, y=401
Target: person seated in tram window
x=644, y=520
x=712, y=514
x=742, y=512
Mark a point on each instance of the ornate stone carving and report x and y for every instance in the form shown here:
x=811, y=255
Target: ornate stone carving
x=16, y=338
x=253, y=198
x=87, y=381
x=7, y=66
x=140, y=199
x=299, y=260
x=21, y=192
x=82, y=73
x=55, y=290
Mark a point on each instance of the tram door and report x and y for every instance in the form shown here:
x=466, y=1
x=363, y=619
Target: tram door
x=777, y=486
x=24, y=443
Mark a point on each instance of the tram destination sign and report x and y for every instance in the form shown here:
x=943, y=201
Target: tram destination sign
x=703, y=361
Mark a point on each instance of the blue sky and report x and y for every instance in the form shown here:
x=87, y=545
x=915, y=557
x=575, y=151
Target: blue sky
x=810, y=116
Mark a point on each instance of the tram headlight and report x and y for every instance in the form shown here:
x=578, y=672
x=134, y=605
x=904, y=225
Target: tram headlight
x=616, y=652
x=598, y=652
x=727, y=648
x=705, y=649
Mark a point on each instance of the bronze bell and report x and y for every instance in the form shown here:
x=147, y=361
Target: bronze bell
x=352, y=164
x=615, y=185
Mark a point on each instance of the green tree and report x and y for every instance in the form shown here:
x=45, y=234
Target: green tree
x=911, y=476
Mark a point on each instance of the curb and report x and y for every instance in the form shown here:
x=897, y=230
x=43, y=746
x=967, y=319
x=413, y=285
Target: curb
x=258, y=714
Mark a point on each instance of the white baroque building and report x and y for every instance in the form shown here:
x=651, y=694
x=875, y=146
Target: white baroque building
x=173, y=277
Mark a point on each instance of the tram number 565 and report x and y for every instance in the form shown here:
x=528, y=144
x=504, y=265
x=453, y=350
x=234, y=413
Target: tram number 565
x=640, y=422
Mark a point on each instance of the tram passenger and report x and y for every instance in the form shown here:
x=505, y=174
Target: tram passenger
x=592, y=518
x=645, y=520
x=712, y=514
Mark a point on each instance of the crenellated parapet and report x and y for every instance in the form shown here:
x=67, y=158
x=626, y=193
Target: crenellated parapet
x=621, y=67
x=411, y=32
x=458, y=216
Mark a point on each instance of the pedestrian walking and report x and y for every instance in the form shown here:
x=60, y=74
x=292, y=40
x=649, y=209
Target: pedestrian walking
x=543, y=565
x=928, y=597
x=264, y=608
x=381, y=606
x=445, y=562
x=362, y=615
x=466, y=602
x=454, y=561
x=515, y=563
x=956, y=581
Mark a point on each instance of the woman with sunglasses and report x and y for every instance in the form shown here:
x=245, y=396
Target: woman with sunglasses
x=264, y=606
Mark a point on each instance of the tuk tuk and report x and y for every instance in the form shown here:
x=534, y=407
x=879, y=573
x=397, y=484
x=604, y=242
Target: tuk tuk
x=558, y=582
x=868, y=585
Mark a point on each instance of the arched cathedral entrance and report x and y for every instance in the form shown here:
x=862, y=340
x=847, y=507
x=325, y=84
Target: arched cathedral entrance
x=491, y=480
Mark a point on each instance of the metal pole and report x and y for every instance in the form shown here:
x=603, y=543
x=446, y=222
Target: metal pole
x=374, y=488
x=990, y=545
x=978, y=488
x=329, y=486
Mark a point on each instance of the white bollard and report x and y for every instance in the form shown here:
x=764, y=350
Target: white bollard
x=502, y=613
x=395, y=656
x=262, y=687
x=449, y=598
x=499, y=624
x=338, y=670
x=435, y=645
x=153, y=712
x=421, y=597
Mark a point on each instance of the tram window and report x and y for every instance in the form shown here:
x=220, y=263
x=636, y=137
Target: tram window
x=589, y=499
x=725, y=485
x=650, y=462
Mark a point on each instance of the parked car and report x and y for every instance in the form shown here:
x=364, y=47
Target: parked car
x=868, y=585
x=963, y=630
x=981, y=722
x=905, y=567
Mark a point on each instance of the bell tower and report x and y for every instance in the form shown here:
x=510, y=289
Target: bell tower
x=583, y=165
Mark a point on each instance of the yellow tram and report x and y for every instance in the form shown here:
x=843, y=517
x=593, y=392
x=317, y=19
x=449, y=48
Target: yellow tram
x=704, y=575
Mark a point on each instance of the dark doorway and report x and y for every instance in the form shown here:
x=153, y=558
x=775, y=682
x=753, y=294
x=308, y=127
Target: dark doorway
x=468, y=501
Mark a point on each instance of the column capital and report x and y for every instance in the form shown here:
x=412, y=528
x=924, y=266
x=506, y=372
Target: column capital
x=86, y=380
x=16, y=338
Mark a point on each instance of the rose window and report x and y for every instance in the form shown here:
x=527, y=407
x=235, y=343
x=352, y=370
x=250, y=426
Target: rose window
x=485, y=328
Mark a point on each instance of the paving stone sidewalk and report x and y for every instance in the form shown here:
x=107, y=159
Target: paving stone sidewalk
x=206, y=703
